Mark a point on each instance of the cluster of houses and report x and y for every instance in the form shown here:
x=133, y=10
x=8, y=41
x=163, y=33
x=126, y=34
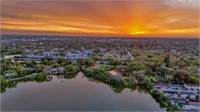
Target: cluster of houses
x=121, y=55
x=57, y=70
x=69, y=55
x=187, y=95
x=38, y=57
x=83, y=54
x=78, y=55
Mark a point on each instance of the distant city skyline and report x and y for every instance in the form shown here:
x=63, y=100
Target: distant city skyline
x=140, y=18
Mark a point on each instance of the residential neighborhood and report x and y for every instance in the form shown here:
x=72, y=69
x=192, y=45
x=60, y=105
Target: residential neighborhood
x=186, y=95
x=168, y=73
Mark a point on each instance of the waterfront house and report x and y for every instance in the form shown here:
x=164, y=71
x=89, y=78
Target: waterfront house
x=161, y=85
x=178, y=99
x=192, y=86
x=169, y=91
x=191, y=108
x=175, y=86
x=7, y=75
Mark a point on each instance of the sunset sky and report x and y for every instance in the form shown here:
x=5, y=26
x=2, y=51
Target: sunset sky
x=158, y=18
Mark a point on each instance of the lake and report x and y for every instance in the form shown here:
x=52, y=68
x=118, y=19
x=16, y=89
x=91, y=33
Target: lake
x=79, y=93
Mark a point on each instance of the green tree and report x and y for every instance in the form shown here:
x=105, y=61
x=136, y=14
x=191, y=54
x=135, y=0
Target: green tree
x=129, y=82
x=18, y=68
x=69, y=69
x=113, y=61
x=139, y=75
x=147, y=82
x=39, y=68
x=150, y=73
x=4, y=67
x=107, y=67
x=136, y=66
x=162, y=71
x=55, y=64
x=40, y=77
x=89, y=62
x=4, y=84
x=154, y=67
x=61, y=60
x=45, y=62
x=166, y=60
x=7, y=61
x=194, y=80
x=30, y=64
x=181, y=77
x=25, y=72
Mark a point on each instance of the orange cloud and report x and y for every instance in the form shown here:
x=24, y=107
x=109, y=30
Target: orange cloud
x=128, y=18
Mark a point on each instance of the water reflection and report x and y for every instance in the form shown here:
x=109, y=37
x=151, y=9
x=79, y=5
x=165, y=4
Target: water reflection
x=74, y=94
x=116, y=89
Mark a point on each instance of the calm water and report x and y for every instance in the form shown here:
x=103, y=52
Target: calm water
x=74, y=94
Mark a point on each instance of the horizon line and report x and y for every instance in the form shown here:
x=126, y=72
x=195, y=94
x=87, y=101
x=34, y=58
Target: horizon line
x=101, y=36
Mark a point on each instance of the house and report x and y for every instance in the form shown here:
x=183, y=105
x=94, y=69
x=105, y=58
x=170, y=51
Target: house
x=88, y=52
x=102, y=62
x=161, y=85
x=75, y=56
x=106, y=62
x=184, y=94
x=192, y=86
x=171, y=94
x=193, y=100
x=32, y=56
x=198, y=71
x=191, y=107
x=57, y=70
x=7, y=75
x=178, y=99
x=98, y=62
x=194, y=103
x=78, y=55
x=169, y=91
x=47, y=53
x=175, y=86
